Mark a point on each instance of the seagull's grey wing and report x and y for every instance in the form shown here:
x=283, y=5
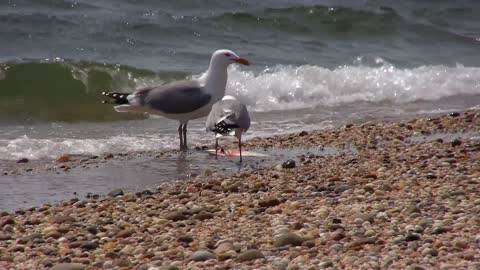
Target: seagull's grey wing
x=178, y=97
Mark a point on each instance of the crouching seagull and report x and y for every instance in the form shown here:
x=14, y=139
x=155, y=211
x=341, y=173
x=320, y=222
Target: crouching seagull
x=228, y=117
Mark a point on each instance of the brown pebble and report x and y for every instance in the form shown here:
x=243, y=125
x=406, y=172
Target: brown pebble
x=249, y=255
x=176, y=216
x=62, y=159
x=269, y=202
x=125, y=233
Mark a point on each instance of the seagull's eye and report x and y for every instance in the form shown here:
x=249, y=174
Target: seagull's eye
x=227, y=54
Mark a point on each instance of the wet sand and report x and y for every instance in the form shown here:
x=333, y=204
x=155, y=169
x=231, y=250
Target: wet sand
x=398, y=195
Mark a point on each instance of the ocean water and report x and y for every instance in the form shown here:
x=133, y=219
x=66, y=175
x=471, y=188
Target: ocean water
x=315, y=64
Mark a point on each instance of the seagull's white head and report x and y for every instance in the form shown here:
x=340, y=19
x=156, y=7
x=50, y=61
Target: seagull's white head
x=227, y=57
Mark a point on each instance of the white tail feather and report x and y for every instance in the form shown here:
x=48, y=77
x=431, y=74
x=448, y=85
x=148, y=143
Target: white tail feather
x=129, y=108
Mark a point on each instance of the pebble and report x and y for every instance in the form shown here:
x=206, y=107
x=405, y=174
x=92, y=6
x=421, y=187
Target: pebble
x=224, y=247
x=125, y=233
x=325, y=264
x=122, y=262
x=176, y=216
x=287, y=239
x=289, y=164
x=108, y=264
x=116, y=192
x=440, y=230
x=202, y=255
x=6, y=221
x=23, y=160
x=250, y=255
x=430, y=251
x=203, y=215
x=269, y=202
x=68, y=266
x=4, y=236
x=169, y=267
x=412, y=237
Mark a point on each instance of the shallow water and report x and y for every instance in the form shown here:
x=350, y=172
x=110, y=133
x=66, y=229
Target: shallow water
x=135, y=174
x=315, y=64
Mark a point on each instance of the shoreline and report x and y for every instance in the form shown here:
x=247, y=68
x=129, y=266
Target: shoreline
x=396, y=202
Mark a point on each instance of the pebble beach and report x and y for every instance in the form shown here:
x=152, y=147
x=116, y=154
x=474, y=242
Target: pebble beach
x=404, y=197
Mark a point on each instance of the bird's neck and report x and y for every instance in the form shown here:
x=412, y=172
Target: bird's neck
x=215, y=80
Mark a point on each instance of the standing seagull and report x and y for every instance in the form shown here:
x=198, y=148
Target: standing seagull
x=228, y=117
x=181, y=100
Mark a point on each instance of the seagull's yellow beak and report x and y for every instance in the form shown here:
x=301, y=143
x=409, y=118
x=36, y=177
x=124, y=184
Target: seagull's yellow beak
x=242, y=61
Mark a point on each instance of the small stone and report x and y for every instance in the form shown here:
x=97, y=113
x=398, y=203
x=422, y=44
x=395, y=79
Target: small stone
x=370, y=233
x=430, y=251
x=64, y=219
x=412, y=237
x=202, y=255
x=203, y=215
x=185, y=239
x=370, y=217
x=309, y=244
x=289, y=164
x=369, y=188
x=125, y=233
x=6, y=221
x=325, y=264
x=6, y=258
x=108, y=264
x=63, y=159
x=287, y=239
x=269, y=202
x=18, y=248
x=364, y=241
x=48, y=263
x=34, y=236
x=53, y=234
x=303, y=133
x=122, y=262
x=89, y=245
x=454, y=114
x=168, y=267
x=4, y=236
x=342, y=188
x=440, y=229
x=116, y=192
x=226, y=255
x=456, y=142
x=461, y=243
x=176, y=216
x=412, y=209
x=22, y=160
x=68, y=266
x=224, y=247
x=128, y=249
x=8, y=228
x=337, y=235
x=250, y=255
x=92, y=229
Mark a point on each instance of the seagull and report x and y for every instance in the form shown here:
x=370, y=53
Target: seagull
x=181, y=100
x=228, y=117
